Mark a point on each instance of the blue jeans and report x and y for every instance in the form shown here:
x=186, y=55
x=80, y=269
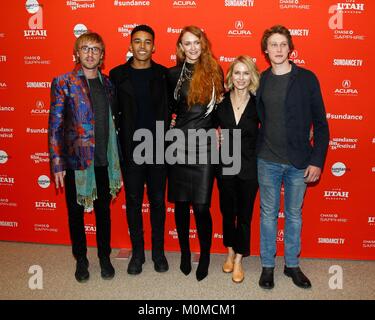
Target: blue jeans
x=270, y=176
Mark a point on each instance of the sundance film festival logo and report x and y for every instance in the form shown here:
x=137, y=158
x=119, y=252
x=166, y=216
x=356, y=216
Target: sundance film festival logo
x=126, y=29
x=239, y=30
x=44, y=181
x=294, y=4
x=40, y=157
x=338, y=169
x=343, y=143
x=345, y=116
x=132, y=3
x=81, y=4
x=40, y=108
x=336, y=22
x=346, y=89
x=336, y=194
x=184, y=4
x=79, y=29
x=294, y=56
x=3, y=157
x=238, y=3
x=35, y=23
x=45, y=205
x=6, y=180
x=6, y=133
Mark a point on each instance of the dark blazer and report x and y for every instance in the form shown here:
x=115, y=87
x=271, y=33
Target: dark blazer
x=126, y=106
x=249, y=130
x=304, y=108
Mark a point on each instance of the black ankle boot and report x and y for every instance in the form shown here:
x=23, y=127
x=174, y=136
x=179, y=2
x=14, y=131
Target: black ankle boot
x=82, y=273
x=202, y=270
x=185, y=265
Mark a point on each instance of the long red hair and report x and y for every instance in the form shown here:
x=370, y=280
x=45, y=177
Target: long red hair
x=207, y=70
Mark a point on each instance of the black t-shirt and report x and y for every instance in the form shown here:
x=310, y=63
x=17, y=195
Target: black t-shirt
x=145, y=117
x=101, y=116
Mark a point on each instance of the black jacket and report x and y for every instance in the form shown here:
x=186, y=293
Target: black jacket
x=304, y=108
x=248, y=125
x=126, y=106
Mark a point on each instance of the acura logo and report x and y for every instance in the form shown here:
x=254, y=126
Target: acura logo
x=346, y=84
x=238, y=24
x=294, y=54
x=39, y=104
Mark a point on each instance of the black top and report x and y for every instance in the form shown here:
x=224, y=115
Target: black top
x=145, y=116
x=101, y=115
x=248, y=124
x=187, y=181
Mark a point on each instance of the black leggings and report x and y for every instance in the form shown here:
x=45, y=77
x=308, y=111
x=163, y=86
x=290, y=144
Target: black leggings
x=203, y=223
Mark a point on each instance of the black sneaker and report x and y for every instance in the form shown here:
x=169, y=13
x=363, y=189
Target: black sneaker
x=82, y=273
x=107, y=271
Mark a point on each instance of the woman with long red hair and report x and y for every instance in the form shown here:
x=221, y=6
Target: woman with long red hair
x=196, y=84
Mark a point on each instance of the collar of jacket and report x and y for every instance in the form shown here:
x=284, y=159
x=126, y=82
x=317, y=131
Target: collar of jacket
x=79, y=72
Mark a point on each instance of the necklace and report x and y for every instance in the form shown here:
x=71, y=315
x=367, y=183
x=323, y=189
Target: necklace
x=242, y=105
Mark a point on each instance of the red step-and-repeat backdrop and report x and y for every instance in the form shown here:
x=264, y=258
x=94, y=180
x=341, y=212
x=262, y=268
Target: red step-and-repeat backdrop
x=332, y=38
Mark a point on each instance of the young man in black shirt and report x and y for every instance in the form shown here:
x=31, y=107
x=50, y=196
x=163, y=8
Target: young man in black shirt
x=141, y=100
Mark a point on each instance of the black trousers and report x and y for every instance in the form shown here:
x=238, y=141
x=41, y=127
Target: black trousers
x=102, y=215
x=135, y=177
x=203, y=222
x=237, y=198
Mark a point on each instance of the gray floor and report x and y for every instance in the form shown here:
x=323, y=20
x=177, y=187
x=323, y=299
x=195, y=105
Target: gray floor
x=57, y=266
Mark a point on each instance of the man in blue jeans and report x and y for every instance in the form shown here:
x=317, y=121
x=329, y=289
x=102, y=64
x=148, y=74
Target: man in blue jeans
x=289, y=104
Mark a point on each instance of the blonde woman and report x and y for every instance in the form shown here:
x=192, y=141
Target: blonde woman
x=238, y=192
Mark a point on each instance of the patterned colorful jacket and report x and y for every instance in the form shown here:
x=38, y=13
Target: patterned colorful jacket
x=71, y=121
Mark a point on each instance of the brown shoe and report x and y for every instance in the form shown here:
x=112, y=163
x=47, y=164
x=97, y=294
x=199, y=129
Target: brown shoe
x=228, y=265
x=238, y=274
